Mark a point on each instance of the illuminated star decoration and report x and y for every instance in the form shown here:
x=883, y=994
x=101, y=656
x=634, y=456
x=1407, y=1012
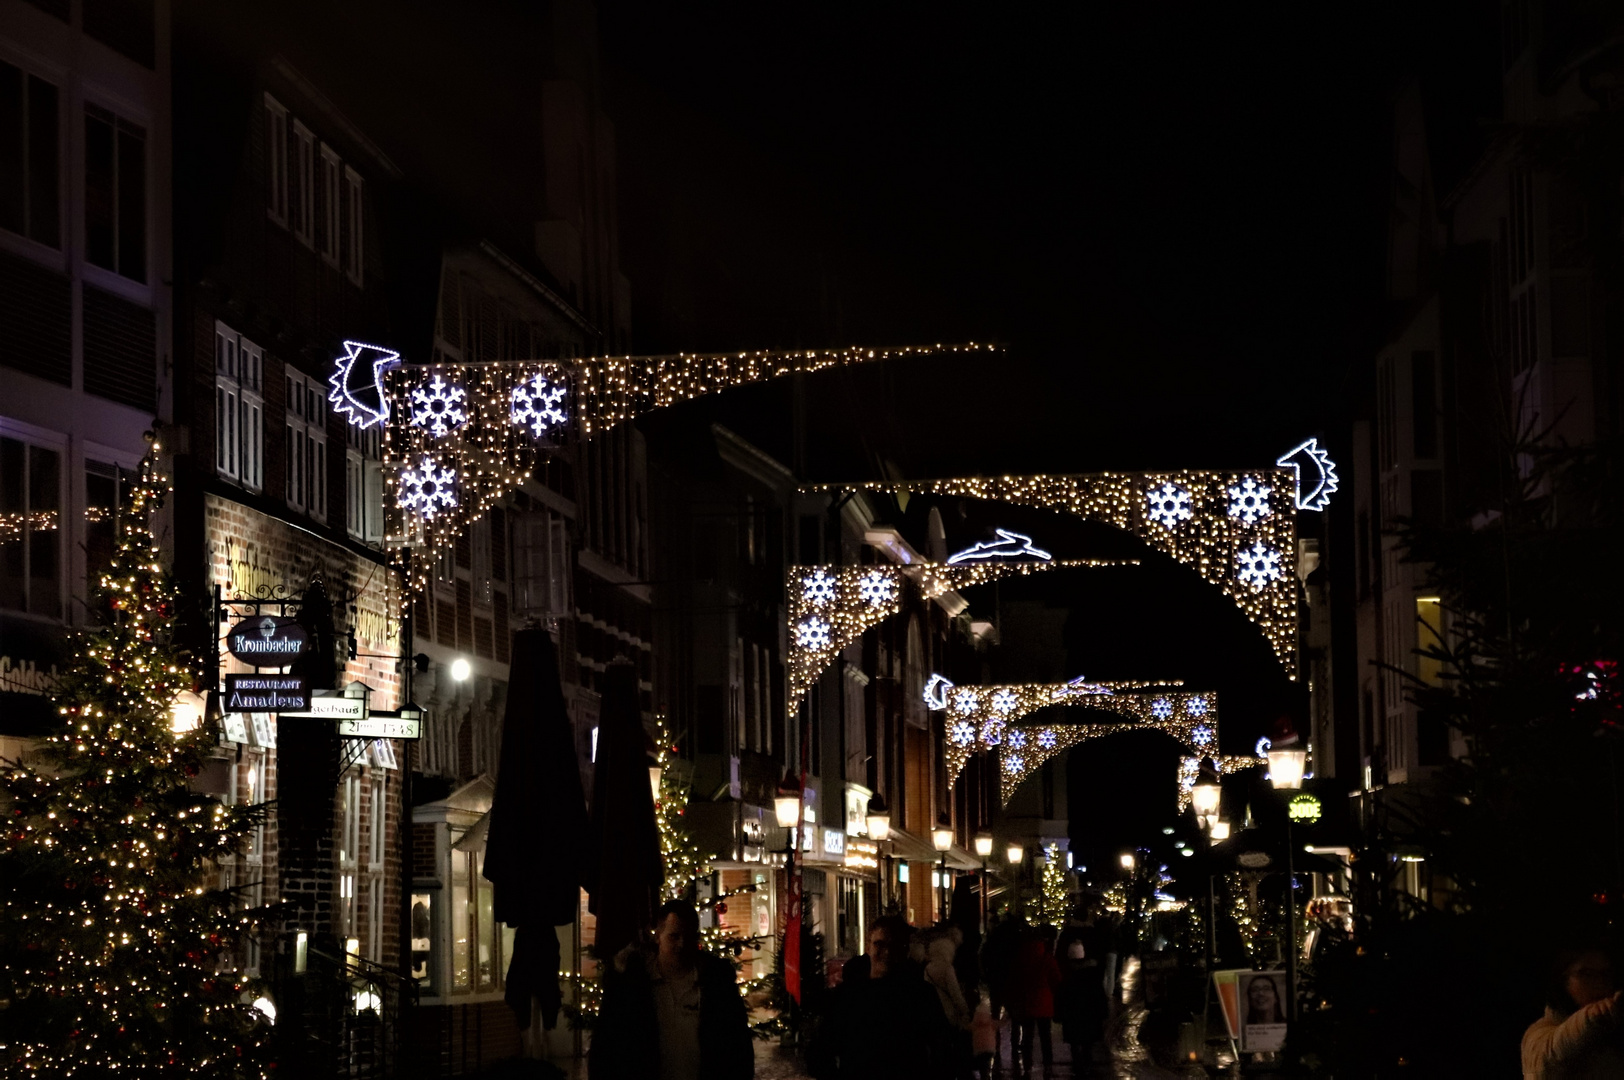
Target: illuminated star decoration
x=1258, y=565
x=1249, y=501
x=1316, y=474
x=936, y=692
x=818, y=588
x=1010, y=545
x=1168, y=504
x=439, y=407
x=875, y=588
x=535, y=405
x=357, y=382
x=812, y=632
x=428, y=489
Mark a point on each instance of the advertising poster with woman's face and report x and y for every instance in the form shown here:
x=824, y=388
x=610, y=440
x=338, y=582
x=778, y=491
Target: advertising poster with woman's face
x=1263, y=1010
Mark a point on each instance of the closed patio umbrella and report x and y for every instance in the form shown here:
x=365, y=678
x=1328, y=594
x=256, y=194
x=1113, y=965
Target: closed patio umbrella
x=626, y=871
x=535, y=849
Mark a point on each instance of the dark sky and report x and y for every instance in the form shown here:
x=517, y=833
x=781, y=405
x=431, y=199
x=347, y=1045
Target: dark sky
x=1172, y=215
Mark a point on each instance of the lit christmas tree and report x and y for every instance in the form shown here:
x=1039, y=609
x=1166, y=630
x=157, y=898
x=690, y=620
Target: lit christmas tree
x=1054, y=903
x=116, y=950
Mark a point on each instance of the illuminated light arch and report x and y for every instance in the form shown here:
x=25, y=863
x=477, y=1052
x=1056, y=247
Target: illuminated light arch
x=974, y=707
x=1251, y=555
x=492, y=454
x=831, y=606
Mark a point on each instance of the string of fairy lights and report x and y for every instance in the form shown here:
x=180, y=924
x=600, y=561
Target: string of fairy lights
x=831, y=606
x=122, y=963
x=460, y=436
x=1236, y=529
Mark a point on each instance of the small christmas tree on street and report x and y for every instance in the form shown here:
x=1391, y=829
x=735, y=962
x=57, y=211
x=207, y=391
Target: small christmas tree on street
x=1054, y=903
x=115, y=948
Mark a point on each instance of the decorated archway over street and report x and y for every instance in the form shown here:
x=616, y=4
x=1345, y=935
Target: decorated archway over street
x=1236, y=529
x=831, y=606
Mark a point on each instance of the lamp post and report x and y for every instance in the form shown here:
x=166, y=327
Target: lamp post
x=1015, y=854
x=983, y=849
x=787, y=812
x=1286, y=765
x=1206, y=794
x=879, y=828
x=941, y=838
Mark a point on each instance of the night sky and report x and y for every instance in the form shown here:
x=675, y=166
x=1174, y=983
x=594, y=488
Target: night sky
x=1172, y=215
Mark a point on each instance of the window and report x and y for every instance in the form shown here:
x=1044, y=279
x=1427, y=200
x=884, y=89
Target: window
x=541, y=559
x=276, y=160
x=305, y=446
x=302, y=185
x=30, y=528
x=353, y=238
x=252, y=793
x=377, y=808
x=327, y=221
x=115, y=194
x=349, y=851
x=239, y=408
x=29, y=156
x=106, y=493
x=478, y=950
x=363, y=484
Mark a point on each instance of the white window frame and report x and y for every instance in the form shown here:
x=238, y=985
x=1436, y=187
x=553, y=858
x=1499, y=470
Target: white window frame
x=363, y=484
x=239, y=408
x=349, y=855
x=376, y=848
x=331, y=217
x=276, y=160
x=304, y=446
x=303, y=180
x=354, y=229
x=65, y=526
x=539, y=568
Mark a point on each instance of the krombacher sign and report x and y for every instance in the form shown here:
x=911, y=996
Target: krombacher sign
x=266, y=641
x=266, y=693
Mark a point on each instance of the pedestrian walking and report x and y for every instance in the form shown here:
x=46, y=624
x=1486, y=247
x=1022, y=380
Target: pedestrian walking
x=1081, y=1006
x=1580, y=1035
x=997, y=957
x=941, y=972
x=888, y=1025
x=671, y=1013
x=1033, y=979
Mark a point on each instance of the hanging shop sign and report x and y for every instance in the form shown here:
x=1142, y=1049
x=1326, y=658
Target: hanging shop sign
x=266, y=693
x=1303, y=807
x=331, y=705
x=267, y=641
x=380, y=727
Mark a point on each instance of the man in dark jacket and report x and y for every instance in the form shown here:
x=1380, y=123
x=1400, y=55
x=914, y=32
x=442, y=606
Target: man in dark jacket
x=887, y=1025
x=674, y=1014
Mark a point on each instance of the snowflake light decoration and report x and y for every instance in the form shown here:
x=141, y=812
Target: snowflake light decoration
x=536, y=404
x=428, y=489
x=1196, y=706
x=1046, y=740
x=962, y=733
x=1249, y=501
x=1161, y=708
x=812, y=633
x=1014, y=763
x=1004, y=701
x=876, y=588
x=992, y=732
x=1016, y=740
x=439, y=406
x=818, y=588
x=964, y=700
x=1258, y=565
x=1168, y=505
x=1202, y=735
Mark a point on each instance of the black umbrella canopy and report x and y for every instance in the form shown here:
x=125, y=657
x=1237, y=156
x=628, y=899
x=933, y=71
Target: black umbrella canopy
x=535, y=849
x=626, y=870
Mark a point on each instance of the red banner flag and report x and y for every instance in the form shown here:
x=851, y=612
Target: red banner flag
x=792, y=935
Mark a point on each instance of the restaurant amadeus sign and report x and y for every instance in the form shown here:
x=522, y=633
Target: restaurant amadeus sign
x=267, y=641
x=266, y=693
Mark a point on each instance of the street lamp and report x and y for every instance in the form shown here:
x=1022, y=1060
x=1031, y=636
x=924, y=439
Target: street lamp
x=879, y=828
x=941, y=838
x=1286, y=765
x=983, y=850
x=461, y=669
x=1127, y=860
x=1015, y=853
x=1220, y=831
x=1207, y=793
